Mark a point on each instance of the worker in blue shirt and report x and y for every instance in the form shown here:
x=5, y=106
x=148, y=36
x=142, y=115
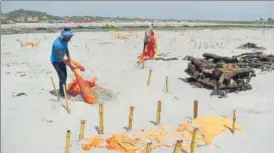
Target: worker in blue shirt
x=58, y=52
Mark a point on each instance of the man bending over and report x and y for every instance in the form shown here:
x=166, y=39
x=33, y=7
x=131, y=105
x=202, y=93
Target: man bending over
x=58, y=52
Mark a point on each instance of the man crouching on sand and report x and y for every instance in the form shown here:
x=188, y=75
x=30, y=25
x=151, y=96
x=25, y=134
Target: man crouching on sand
x=58, y=52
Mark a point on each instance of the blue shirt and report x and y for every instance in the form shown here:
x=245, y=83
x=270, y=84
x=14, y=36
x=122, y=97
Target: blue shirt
x=58, y=44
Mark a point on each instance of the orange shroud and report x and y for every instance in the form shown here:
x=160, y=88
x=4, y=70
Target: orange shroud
x=76, y=65
x=31, y=44
x=150, y=50
x=132, y=142
x=80, y=86
x=84, y=88
x=74, y=89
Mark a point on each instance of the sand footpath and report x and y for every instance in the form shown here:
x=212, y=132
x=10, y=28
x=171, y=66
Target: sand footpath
x=34, y=121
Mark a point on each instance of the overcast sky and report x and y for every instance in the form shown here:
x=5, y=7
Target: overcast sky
x=214, y=10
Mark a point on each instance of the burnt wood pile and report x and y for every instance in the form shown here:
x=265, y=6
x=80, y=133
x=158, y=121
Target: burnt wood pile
x=226, y=74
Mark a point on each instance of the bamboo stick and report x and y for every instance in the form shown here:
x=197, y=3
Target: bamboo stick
x=159, y=109
x=82, y=129
x=166, y=83
x=195, y=112
x=194, y=141
x=101, y=119
x=67, y=147
x=66, y=98
x=234, y=121
x=54, y=86
x=149, y=77
x=177, y=147
x=149, y=147
x=130, y=117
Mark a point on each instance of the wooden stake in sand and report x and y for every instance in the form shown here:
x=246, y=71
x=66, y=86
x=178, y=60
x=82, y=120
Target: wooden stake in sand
x=67, y=142
x=66, y=98
x=142, y=65
x=195, y=113
x=149, y=147
x=194, y=141
x=159, y=109
x=101, y=119
x=271, y=67
x=130, y=118
x=234, y=121
x=149, y=77
x=82, y=129
x=54, y=86
x=177, y=147
x=166, y=83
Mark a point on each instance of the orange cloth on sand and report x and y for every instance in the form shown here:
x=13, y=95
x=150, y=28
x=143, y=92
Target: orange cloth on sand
x=150, y=49
x=31, y=44
x=80, y=86
x=84, y=88
x=134, y=141
x=77, y=65
x=74, y=89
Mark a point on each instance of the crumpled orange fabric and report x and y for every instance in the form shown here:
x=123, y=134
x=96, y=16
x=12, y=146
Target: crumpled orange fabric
x=74, y=89
x=31, y=44
x=85, y=89
x=150, y=49
x=77, y=65
x=135, y=141
x=81, y=86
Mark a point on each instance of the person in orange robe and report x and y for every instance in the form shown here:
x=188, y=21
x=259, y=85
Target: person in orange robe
x=147, y=38
x=149, y=45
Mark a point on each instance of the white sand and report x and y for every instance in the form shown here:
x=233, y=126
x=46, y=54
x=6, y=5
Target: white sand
x=24, y=131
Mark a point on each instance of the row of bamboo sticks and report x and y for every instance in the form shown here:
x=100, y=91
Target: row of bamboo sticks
x=130, y=125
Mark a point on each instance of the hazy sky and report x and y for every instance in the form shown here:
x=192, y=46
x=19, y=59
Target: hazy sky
x=214, y=10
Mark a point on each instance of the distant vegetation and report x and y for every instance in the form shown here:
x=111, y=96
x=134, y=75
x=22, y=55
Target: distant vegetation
x=27, y=16
x=37, y=16
x=23, y=15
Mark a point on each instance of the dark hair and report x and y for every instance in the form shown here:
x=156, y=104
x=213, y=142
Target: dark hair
x=66, y=29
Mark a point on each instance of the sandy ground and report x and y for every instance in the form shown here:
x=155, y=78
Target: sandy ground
x=26, y=126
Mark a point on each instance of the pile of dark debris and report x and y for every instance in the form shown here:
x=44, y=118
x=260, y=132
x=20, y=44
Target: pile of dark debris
x=227, y=74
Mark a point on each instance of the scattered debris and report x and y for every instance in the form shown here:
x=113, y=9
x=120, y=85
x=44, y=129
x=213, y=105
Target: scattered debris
x=163, y=57
x=256, y=60
x=221, y=77
x=166, y=59
x=20, y=94
x=49, y=121
x=250, y=46
x=227, y=74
